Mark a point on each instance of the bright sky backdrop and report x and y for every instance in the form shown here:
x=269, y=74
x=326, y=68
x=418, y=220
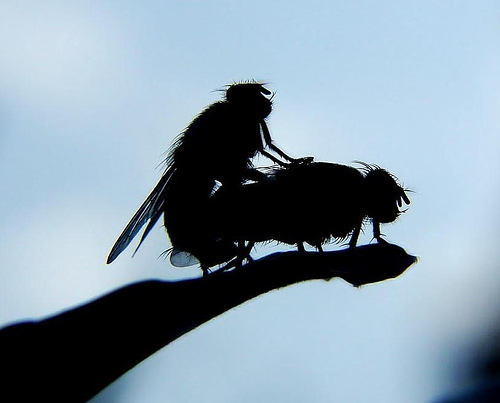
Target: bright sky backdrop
x=93, y=92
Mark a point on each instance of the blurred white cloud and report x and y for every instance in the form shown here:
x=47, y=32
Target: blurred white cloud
x=57, y=55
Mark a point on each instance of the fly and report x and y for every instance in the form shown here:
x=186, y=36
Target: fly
x=216, y=147
x=314, y=203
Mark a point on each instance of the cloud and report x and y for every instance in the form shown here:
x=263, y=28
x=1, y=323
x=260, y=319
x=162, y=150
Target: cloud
x=55, y=55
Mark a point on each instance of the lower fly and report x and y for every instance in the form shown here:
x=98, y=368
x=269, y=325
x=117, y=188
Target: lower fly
x=315, y=203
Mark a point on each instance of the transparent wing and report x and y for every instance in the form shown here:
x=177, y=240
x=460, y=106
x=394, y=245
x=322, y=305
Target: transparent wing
x=150, y=210
x=181, y=258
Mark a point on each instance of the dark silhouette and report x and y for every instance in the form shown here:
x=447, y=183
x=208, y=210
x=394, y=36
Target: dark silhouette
x=314, y=203
x=217, y=146
x=72, y=356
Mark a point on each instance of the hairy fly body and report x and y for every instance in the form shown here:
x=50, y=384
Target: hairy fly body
x=217, y=147
x=314, y=203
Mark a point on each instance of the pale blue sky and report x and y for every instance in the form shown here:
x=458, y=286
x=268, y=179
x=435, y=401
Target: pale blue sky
x=91, y=95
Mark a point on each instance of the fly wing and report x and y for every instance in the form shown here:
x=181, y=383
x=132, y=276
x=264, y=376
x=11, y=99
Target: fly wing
x=181, y=258
x=150, y=210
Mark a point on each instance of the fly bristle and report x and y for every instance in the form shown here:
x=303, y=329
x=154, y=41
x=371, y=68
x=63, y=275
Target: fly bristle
x=165, y=253
x=367, y=168
x=248, y=81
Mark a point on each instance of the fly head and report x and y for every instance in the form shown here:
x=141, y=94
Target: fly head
x=251, y=98
x=384, y=195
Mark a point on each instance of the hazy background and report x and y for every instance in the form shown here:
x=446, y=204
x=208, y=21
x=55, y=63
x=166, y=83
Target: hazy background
x=92, y=93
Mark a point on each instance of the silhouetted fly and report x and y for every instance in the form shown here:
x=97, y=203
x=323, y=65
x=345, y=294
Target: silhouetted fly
x=216, y=148
x=314, y=203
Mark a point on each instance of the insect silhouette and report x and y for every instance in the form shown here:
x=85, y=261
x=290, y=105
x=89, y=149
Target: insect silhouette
x=315, y=203
x=216, y=148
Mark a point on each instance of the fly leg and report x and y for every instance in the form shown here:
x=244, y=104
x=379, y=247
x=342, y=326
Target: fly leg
x=269, y=142
x=256, y=175
x=248, y=249
x=237, y=262
x=300, y=247
x=319, y=247
x=376, y=232
x=205, y=270
x=355, y=236
x=244, y=253
x=273, y=158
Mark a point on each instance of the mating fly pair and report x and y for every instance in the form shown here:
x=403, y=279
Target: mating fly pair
x=215, y=149
x=210, y=224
